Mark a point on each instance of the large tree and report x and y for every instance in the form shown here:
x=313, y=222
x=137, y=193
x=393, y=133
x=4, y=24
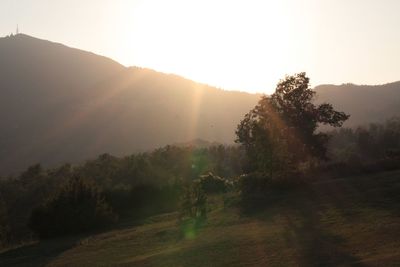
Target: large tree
x=281, y=129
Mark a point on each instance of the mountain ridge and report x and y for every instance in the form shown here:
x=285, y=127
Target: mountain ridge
x=365, y=103
x=60, y=104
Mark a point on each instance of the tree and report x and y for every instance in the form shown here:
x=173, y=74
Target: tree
x=193, y=204
x=281, y=129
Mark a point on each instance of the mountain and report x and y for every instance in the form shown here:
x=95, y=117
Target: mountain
x=59, y=104
x=365, y=103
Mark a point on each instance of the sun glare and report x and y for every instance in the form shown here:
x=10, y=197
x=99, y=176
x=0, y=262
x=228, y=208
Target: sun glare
x=239, y=45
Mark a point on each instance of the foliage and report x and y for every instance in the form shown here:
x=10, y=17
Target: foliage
x=281, y=129
x=193, y=204
x=77, y=207
x=366, y=149
x=27, y=191
x=123, y=181
x=213, y=184
x=163, y=166
x=375, y=141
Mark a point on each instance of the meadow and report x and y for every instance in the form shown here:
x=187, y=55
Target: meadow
x=347, y=221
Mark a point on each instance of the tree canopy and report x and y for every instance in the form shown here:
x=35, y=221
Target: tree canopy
x=282, y=128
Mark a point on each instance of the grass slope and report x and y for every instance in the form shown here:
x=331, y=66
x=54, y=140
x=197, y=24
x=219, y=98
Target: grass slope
x=352, y=221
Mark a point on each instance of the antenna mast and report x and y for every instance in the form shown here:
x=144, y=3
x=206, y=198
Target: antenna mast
x=17, y=29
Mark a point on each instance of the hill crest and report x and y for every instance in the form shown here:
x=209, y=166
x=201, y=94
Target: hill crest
x=60, y=104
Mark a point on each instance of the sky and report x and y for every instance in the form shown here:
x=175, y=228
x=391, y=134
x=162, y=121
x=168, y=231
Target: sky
x=246, y=45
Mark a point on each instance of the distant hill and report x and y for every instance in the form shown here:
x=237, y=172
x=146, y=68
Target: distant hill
x=59, y=104
x=365, y=103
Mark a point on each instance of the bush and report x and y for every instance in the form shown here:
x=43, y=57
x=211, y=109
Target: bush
x=193, y=205
x=212, y=184
x=76, y=208
x=193, y=211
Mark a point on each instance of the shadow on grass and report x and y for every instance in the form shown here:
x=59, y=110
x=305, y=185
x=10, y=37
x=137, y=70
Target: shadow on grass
x=43, y=252
x=37, y=254
x=312, y=243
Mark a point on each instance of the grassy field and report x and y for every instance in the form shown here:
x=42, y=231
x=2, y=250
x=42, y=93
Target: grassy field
x=353, y=221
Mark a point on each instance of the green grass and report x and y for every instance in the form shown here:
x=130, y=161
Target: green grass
x=352, y=221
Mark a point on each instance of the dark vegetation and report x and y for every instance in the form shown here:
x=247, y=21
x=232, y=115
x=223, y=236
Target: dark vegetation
x=193, y=209
x=286, y=149
x=77, y=207
x=371, y=148
x=280, y=136
x=213, y=184
x=280, y=132
x=71, y=199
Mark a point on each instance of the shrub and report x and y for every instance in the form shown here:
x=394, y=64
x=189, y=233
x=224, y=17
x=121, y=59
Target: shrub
x=212, y=184
x=193, y=205
x=77, y=207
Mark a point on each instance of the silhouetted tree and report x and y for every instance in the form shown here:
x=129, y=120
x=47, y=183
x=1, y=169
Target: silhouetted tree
x=281, y=128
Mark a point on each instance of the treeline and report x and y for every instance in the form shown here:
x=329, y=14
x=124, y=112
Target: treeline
x=371, y=148
x=70, y=199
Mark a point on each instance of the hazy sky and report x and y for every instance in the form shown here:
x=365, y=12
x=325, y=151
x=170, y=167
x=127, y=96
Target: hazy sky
x=247, y=45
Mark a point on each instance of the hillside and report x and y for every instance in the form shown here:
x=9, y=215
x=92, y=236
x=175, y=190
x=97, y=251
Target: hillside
x=351, y=221
x=365, y=103
x=60, y=104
